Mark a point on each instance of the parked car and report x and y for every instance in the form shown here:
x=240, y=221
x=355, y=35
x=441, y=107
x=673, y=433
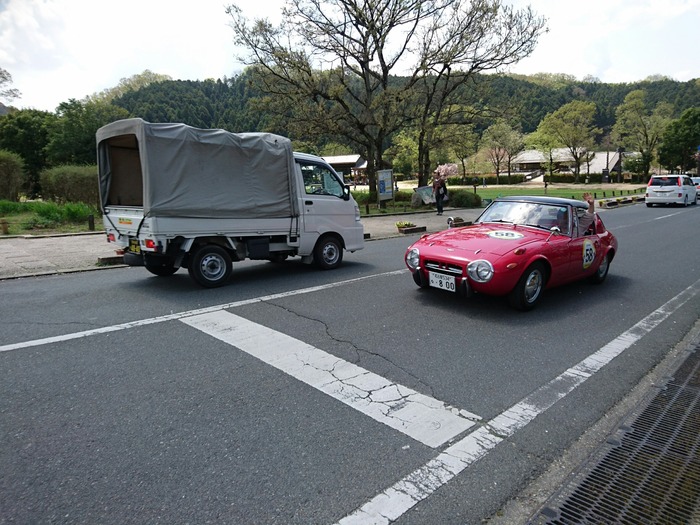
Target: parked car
x=696, y=181
x=670, y=189
x=518, y=247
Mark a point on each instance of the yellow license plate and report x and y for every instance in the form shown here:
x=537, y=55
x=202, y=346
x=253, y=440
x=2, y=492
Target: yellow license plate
x=134, y=246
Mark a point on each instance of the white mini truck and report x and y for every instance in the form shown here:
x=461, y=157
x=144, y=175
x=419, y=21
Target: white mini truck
x=176, y=196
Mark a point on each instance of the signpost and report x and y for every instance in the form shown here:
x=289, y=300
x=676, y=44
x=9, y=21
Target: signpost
x=385, y=185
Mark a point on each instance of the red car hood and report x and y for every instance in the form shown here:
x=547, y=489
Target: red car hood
x=494, y=239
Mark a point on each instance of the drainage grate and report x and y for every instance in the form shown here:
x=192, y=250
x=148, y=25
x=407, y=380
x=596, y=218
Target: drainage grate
x=649, y=470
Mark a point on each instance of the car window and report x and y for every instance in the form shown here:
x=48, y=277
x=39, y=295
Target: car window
x=663, y=181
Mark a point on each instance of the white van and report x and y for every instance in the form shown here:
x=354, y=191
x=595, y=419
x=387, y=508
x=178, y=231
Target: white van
x=670, y=189
x=175, y=196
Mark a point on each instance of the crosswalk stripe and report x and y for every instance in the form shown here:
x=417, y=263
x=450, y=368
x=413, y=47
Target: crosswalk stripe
x=421, y=417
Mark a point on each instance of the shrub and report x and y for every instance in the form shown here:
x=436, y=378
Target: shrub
x=11, y=174
x=403, y=196
x=71, y=184
x=464, y=199
x=48, y=212
x=361, y=197
x=11, y=207
x=78, y=212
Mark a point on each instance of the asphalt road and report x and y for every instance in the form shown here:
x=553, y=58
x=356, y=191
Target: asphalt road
x=295, y=396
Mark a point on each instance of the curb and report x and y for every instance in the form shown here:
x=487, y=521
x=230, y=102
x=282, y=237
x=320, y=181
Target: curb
x=620, y=201
x=111, y=261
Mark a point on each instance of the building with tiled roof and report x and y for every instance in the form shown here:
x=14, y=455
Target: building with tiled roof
x=534, y=160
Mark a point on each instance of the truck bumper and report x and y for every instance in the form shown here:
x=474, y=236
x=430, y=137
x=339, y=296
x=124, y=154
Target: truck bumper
x=133, y=259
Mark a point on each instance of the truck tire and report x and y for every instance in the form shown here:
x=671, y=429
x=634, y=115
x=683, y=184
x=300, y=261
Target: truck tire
x=210, y=266
x=328, y=253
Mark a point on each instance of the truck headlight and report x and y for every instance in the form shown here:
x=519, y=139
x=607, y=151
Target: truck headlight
x=480, y=271
x=413, y=258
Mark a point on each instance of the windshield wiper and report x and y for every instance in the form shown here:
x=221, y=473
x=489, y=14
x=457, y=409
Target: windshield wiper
x=537, y=226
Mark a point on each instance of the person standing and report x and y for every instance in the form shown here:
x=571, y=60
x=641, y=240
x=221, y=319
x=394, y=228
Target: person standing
x=439, y=192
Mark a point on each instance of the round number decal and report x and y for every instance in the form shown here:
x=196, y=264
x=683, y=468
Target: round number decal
x=504, y=234
x=588, y=254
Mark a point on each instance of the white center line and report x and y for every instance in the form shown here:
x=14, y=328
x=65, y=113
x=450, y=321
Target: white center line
x=180, y=315
x=421, y=417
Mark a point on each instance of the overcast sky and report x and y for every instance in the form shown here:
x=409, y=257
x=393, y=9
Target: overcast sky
x=56, y=50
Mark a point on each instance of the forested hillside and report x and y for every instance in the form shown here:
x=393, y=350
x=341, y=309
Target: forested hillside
x=495, y=115
x=226, y=103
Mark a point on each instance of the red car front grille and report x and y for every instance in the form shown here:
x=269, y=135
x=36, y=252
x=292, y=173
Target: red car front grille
x=436, y=266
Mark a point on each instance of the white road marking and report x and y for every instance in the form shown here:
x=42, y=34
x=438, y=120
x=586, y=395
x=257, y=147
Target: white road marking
x=421, y=417
x=180, y=315
x=422, y=482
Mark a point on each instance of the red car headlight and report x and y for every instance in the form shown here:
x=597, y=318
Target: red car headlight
x=413, y=258
x=480, y=271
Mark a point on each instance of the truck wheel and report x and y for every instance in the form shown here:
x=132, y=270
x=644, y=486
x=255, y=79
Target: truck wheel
x=210, y=266
x=328, y=253
x=161, y=270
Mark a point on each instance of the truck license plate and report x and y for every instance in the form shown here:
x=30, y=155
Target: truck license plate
x=134, y=246
x=444, y=282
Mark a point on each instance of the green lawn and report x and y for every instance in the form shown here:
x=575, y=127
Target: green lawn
x=598, y=192
x=492, y=192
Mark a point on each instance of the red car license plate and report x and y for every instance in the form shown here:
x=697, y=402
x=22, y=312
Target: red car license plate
x=444, y=282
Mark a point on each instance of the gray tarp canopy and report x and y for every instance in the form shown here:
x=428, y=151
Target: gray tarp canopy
x=177, y=170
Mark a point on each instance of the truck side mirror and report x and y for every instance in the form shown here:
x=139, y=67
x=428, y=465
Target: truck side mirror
x=346, y=192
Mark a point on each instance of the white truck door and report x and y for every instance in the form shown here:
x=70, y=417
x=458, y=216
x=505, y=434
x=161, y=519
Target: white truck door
x=323, y=203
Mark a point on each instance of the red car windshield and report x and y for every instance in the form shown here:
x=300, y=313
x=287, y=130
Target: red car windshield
x=528, y=214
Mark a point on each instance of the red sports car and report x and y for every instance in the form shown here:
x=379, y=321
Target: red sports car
x=518, y=247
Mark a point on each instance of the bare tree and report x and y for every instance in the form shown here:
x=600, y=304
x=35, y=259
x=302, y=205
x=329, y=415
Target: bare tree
x=334, y=64
x=470, y=38
x=502, y=143
x=8, y=94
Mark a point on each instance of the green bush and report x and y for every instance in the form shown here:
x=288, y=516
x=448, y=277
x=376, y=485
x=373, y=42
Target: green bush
x=361, y=197
x=490, y=179
x=403, y=196
x=78, y=212
x=11, y=175
x=464, y=199
x=47, y=213
x=11, y=207
x=71, y=184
